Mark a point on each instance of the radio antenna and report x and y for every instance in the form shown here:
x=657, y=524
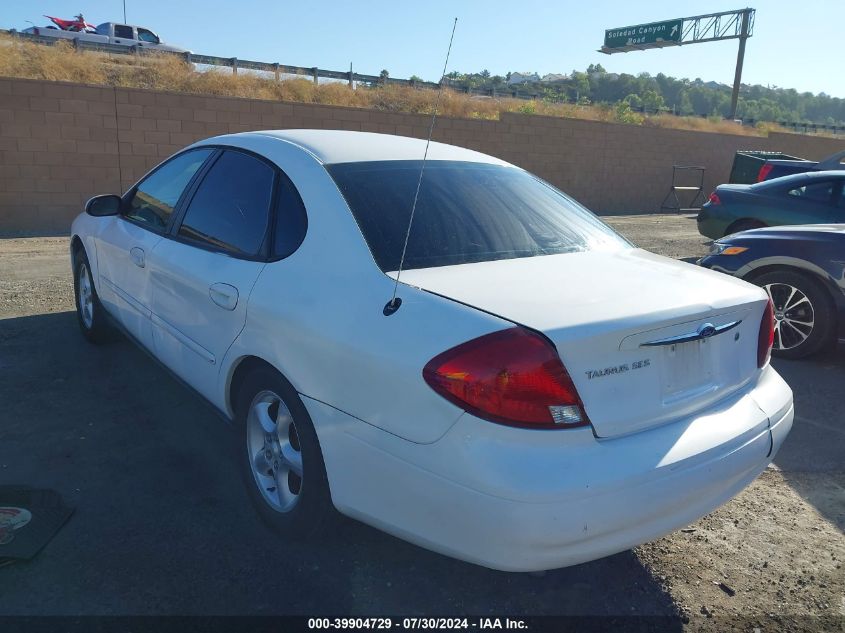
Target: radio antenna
x=393, y=305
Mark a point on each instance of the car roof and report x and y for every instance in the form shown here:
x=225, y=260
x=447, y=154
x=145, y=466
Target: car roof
x=346, y=146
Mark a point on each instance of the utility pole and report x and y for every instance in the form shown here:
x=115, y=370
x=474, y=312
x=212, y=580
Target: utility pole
x=124, y=11
x=740, y=58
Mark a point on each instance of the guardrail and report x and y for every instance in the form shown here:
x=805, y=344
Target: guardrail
x=277, y=69
x=228, y=62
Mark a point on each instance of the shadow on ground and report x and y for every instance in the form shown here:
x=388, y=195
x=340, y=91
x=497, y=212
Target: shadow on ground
x=813, y=457
x=162, y=525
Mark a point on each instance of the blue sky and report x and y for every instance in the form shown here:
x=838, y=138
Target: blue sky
x=794, y=45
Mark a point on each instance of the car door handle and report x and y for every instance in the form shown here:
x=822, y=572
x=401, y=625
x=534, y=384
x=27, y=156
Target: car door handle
x=224, y=295
x=137, y=256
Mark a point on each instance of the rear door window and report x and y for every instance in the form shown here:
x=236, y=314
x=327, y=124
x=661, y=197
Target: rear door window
x=154, y=199
x=231, y=208
x=123, y=32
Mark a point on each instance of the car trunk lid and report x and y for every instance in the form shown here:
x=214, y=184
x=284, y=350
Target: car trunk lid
x=627, y=324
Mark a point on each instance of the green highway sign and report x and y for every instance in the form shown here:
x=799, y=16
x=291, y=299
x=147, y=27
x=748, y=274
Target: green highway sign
x=644, y=34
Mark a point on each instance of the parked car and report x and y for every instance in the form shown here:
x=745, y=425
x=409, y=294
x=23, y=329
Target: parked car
x=802, y=268
x=777, y=168
x=540, y=394
x=109, y=33
x=808, y=198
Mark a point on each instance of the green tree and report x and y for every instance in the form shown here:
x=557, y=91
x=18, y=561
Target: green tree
x=685, y=105
x=581, y=85
x=633, y=101
x=652, y=101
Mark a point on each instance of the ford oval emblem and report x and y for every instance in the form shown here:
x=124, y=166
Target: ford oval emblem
x=706, y=330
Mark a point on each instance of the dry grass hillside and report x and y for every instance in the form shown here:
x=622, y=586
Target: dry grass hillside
x=166, y=72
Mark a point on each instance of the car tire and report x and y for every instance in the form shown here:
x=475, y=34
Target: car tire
x=743, y=225
x=281, y=461
x=90, y=313
x=807, y=322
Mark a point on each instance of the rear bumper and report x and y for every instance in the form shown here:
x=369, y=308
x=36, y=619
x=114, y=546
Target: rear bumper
x=522, y=501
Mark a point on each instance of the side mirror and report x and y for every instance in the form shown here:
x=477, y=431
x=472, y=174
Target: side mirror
x=100, y=206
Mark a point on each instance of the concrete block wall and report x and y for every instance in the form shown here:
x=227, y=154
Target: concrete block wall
x=61, y=143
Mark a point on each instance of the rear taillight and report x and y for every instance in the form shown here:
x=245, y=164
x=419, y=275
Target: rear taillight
x=764, y=172
x=714, y=198
x=767, y=335
x=512, y=377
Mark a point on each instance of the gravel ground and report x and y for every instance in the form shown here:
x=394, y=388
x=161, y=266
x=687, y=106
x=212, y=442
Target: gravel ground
x=771, y=559
x=671, y=235
x=34, y=276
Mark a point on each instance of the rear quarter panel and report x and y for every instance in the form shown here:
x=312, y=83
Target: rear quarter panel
x=317, y=317
x=775, y=208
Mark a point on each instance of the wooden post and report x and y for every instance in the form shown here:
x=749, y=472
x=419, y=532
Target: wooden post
x=235, y=66
x=351, y=82
x=276, y=70
x=316, y=72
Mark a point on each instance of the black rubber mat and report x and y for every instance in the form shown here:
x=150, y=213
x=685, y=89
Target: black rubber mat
x=29, y=518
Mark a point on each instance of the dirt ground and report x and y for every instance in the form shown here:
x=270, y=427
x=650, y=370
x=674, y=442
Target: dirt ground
x=769, y=560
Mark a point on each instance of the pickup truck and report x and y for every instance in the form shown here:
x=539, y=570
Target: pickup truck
x=777, y=168
x=109, y=33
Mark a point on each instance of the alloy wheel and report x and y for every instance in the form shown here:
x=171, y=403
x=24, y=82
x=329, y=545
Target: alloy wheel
x=274, y=451
x=794, y=315
x=86, y=296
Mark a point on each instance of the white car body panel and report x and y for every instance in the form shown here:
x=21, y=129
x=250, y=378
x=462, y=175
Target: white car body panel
x=404, y=459
x=531, y=501
x=124, y=283
x=200, y=303
x=301, y=301
x=642, y=297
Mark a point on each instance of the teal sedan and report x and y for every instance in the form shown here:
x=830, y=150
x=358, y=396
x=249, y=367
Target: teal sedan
x=808, y=198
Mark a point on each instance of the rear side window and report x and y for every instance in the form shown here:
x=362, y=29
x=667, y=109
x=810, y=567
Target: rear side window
x=231, y=207
x=291, y=221
x=818, y=192
x=121, y=30
x=466, y=212
x=156, y=196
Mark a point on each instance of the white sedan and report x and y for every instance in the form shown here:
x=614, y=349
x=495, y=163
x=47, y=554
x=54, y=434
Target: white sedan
x=545, y=393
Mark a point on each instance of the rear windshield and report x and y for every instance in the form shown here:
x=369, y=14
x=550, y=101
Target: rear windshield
x=466, y=212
